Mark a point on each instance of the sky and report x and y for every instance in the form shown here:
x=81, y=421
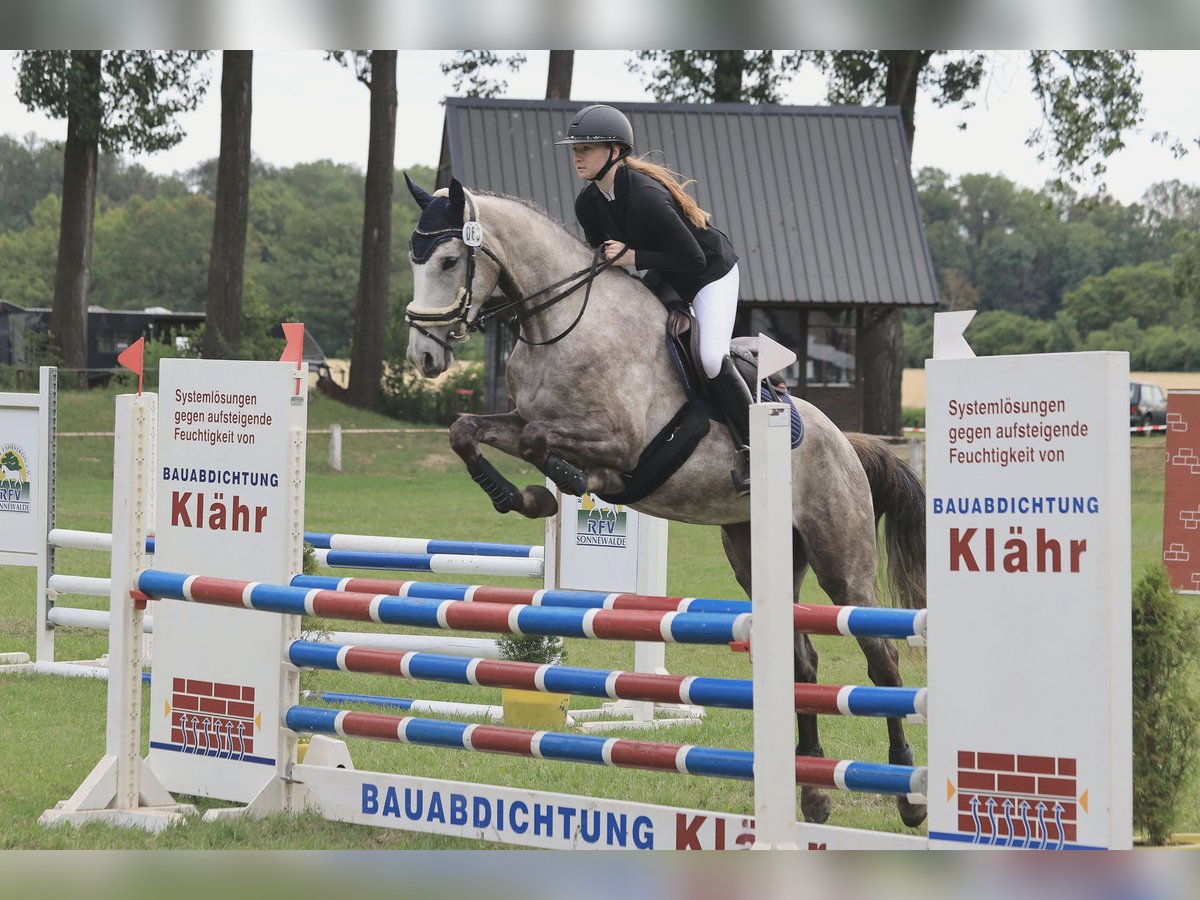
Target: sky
x=306, y=108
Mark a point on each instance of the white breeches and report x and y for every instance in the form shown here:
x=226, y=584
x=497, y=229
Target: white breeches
x=715, y=306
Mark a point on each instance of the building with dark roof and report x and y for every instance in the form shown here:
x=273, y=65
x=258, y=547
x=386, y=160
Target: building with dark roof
x=819, y=202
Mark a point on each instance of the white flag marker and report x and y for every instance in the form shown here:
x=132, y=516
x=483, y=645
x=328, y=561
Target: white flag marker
x=948, y=340
x=772, y=356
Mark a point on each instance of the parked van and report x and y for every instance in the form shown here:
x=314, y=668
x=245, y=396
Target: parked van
x=1147, y=404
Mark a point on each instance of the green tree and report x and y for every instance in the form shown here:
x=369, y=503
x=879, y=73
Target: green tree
x=118, y=181
x=153, y=253
x=1124, y=335
x=1089, y=99
x=324, y=184
x=313, y=269
x=471, y=70
x=112, y=100
x=1171, y=208
x=1185, y=269
x=715, y=76
x=1142, y=293
x=273, y=205
x=27, y=256
x=1002, y=332
x=1166, y=648
x=29, y=170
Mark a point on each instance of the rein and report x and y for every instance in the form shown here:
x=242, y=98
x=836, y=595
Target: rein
x=456, y=314
x=585, y=278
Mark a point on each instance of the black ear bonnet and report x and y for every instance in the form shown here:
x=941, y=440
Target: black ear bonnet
x=435, y=226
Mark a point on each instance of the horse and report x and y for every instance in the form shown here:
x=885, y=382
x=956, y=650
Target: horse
x=591, y=380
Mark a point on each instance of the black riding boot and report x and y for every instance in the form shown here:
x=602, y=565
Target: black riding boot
x=734, y=398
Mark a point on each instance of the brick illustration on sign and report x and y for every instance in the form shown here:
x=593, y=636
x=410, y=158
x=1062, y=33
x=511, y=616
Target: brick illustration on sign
x=1017, y=800
x=210, y=718
x=1181, y=500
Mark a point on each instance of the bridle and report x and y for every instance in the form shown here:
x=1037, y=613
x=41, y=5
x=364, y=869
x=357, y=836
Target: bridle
x=457, y=314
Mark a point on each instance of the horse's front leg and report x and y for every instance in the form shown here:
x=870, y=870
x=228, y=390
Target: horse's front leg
x=606, y=450
x=502, y=432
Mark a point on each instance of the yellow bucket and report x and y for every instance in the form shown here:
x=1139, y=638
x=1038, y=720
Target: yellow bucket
x=535, y=710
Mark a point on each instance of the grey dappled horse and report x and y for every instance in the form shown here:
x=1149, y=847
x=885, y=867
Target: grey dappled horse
x=592, y=383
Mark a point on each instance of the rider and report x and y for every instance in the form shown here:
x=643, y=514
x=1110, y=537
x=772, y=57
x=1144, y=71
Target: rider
x=640, y=206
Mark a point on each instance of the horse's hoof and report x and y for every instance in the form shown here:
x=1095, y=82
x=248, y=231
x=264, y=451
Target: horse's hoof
x=911, y=814
x=538, y=502
x=814, y=805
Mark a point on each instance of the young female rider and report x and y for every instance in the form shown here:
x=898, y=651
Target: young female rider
x=637, y=204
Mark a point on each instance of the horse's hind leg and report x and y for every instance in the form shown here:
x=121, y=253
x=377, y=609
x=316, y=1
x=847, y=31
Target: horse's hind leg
x=883, y=659
x=883, y=668
x=814, y=803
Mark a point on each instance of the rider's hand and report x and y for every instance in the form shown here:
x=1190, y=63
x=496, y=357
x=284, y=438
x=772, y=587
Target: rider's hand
x=612, y=248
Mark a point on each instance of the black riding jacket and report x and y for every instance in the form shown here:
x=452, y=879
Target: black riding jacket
x=644, y=216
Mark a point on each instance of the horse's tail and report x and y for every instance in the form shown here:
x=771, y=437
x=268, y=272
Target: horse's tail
x=899, y=498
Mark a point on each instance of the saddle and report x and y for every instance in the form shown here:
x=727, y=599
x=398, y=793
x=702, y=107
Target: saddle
x=671, y=447
x=683, y=334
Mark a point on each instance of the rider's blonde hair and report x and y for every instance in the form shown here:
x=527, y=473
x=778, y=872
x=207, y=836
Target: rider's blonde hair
x=675, y=184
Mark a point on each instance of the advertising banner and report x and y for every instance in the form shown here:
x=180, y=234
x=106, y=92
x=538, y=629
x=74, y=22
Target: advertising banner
x=226, y=506
x=1029, y=592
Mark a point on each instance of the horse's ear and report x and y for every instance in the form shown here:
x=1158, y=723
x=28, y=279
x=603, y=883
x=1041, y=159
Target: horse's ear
x=457, y=201
x=422, y=196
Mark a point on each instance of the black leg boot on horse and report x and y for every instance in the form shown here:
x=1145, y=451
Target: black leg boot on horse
x=734, y=399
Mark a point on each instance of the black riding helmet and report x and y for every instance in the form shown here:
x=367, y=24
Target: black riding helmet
x=601, y=124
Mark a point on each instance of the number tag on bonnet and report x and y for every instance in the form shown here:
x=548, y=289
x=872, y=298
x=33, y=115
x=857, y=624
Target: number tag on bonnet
x=472, y=234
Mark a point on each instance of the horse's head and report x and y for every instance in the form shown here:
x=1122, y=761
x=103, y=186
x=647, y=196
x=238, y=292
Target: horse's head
x=448, y=289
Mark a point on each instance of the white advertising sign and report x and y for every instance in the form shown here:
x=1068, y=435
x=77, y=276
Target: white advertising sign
x=600, y=545
x=227, y=507
x=23, y=477
x=1029, y=599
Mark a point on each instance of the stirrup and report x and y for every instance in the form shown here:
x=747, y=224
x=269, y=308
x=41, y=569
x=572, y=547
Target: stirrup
x=740, y=476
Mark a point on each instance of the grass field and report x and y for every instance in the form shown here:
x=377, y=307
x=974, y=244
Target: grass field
x=408, y=484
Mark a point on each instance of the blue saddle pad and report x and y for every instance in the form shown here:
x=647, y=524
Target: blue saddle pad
x=766, y=395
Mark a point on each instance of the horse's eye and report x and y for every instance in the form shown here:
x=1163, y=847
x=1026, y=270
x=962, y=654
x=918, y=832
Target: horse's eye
x=449, y=263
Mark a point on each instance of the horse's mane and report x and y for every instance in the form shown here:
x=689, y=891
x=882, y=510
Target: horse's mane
x=567, y=232
x=533, y=207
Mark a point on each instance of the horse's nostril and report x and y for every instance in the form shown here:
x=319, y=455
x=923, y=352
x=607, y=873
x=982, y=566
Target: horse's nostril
x=427, y=362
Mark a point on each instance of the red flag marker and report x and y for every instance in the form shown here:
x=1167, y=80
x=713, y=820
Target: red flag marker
x=294, y=351
x=132, y=358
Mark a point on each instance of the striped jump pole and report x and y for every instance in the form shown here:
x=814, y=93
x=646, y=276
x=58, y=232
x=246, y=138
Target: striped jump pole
x=429, y=707
x=875, y=778
x=728, y=693
x=848, y=621
x=370, y=543
x=441, y=563
x=602, y=624
x=100, y=620
x=102, y=541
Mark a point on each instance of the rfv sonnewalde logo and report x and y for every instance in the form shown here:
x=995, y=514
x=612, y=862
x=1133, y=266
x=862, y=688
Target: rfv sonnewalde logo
x=598, y=524
x=15, y=479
